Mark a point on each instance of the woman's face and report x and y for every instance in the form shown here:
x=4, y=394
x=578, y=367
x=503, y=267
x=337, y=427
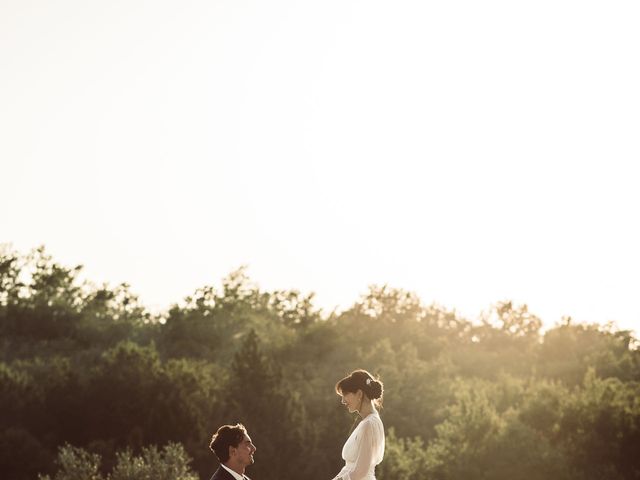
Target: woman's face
x=351, y=400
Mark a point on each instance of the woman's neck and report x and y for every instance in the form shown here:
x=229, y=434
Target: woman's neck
x=366, y=408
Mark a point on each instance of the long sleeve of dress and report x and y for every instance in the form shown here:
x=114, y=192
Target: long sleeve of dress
x=363, y=452
x=364, y=460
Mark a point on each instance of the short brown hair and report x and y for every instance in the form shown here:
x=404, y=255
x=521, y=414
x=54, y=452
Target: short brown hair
x=226, y=436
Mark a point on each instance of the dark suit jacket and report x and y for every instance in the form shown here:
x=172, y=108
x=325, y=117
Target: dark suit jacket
x=222, y=474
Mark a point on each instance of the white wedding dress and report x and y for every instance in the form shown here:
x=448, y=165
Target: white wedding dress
x=363, y=450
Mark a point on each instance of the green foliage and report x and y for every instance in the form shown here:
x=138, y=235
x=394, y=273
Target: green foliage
x=22, y=455
x=274, y=415
x=404, y=458
x=169, y=463
x=210, y=322
x=518, y=452
x=568, y=351
x=600, y=428
x=76, y=464
x=15, y=387
x=459, y=451
x=494, y=400
x=477, y=441
x=39, y=298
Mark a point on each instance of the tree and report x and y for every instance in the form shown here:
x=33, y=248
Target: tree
x=404, y=458
x=273, y=414
x=570, y=349
x=76, y=464
x=600, y=428
x=122, y=390
x=169, y=463
x=472, y=425
x=40, y=299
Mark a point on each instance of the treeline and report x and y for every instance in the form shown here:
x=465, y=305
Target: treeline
x=94, y=386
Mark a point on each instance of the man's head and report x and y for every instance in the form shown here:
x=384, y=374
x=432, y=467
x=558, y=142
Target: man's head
x=232, y=446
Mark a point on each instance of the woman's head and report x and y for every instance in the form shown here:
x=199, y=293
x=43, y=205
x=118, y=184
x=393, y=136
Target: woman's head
x=357, y=386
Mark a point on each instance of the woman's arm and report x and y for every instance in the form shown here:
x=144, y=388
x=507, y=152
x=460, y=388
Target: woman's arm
x=366, y=445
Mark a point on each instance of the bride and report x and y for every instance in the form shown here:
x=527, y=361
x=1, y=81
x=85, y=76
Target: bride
x=364, y=448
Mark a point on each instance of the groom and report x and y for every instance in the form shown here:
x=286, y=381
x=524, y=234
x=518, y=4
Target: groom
x=234, y=449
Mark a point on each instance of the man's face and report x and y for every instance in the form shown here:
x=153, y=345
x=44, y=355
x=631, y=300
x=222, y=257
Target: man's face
x=243, y=453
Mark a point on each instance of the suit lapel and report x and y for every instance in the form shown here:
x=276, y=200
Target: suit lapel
x=222, y=474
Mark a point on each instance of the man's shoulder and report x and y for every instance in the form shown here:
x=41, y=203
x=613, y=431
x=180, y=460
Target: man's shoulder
x=222, y=474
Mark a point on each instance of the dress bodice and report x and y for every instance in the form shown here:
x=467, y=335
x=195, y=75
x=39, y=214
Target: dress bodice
x=363, y=450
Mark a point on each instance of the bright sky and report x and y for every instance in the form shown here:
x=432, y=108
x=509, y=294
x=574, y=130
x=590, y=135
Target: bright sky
x=469, y=151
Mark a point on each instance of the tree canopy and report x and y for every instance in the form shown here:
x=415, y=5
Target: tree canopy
x=94, y=386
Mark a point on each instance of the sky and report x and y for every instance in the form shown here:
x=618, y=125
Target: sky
x=468, y=151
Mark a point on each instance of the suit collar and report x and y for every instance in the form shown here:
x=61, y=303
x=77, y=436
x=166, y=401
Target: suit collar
x=234, y=475
x=223, y=474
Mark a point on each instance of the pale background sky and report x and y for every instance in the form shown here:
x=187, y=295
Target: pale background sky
x=470, y=151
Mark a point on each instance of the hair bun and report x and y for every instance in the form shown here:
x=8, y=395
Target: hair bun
x=361, y=380
x=374, y=390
